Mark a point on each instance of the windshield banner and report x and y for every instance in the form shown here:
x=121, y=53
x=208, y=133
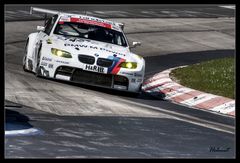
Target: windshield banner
x=85, y=21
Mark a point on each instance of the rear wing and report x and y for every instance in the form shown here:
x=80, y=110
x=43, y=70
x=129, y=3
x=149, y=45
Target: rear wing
x=45, y=12
x=41, y=10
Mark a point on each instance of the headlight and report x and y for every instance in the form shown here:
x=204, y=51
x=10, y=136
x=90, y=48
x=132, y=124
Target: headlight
x=61, y=53
x=129, y=65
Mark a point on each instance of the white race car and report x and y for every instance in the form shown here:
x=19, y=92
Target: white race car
x=83, y=49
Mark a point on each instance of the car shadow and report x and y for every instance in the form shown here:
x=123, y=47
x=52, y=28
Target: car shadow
x=15, y=120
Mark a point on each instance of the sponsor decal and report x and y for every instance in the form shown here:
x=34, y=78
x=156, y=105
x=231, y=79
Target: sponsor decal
x=96, y=55
x=94, y=68
x=72, y=39
x=50, y=65
x=46, y=59
x=104, y=49
x=133, y=80
x=93, y=47
x=64, y=62
x=44, y=63
x=127, y=73
x=92, y=22
x=76, y=45
x=75, y=39
x=137, y=75
x=82, y=40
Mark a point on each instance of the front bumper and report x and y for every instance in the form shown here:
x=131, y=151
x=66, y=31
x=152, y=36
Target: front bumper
x=77, y=75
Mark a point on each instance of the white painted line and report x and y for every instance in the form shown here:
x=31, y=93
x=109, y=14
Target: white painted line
x=228, y=6
x=225, y=108
x=29, y=131
x=10, y=12
x=24, y=12
x=76, y=12
x=8, y=17
x=99, y=12
x=185, y=118
x=200, y=98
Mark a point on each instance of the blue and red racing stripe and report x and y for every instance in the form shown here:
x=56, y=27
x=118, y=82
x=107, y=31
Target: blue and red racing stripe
x=114, y=69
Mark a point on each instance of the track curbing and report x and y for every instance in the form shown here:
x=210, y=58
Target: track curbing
x=161, y=85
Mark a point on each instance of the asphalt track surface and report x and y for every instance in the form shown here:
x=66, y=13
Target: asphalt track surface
x=78, y=121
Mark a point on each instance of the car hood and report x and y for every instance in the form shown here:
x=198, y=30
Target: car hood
x=90, y=47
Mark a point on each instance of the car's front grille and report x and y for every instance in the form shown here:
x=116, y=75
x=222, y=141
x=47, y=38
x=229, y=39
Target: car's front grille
x=86, y=59
x=104, y=62
x=92, y=78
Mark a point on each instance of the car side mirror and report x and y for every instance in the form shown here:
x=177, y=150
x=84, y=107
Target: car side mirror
x=40, y=28
x=135, y=44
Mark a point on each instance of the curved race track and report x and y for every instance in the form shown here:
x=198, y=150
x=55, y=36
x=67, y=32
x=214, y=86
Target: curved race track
x=84, y=121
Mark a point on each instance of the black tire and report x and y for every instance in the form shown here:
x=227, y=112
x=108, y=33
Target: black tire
x=24, y=64
x=38, y=70
x=25, y=57
x=134, y=94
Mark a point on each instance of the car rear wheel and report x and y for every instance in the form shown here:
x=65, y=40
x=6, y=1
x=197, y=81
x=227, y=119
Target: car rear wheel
x=25, y=57
x=38, y=70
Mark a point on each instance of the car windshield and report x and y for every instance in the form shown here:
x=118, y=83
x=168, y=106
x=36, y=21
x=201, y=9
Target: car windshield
x=90, y=31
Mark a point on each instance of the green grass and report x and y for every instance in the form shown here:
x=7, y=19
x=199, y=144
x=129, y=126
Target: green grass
x=215, y=76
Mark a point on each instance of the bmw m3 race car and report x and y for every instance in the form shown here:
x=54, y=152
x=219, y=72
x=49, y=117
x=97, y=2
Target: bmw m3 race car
x=83, y=49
